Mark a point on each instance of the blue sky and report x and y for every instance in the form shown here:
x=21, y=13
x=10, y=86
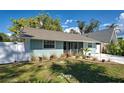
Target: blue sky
x=68, y=17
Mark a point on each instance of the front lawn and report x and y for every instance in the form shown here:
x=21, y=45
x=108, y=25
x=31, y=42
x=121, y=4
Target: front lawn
x=66, y=71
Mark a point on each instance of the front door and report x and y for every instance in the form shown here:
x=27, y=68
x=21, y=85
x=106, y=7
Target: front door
x=98, y=48
x=67, y=47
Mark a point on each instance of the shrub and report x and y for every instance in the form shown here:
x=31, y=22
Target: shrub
x=68, y=55
x=74, y=54
x=84, y=51
x=94, y=59
x=40, y=59
x=77, y=56
x=63, y=56
x=83, y=57
x=44, y=57
x=53, y=57
x=116, y=48
x=112, y=49
x=33, y=58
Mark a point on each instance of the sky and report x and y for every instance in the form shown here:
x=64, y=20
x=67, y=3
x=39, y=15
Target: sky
x=68, y=17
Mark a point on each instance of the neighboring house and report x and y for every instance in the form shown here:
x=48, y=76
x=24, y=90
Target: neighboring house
x=40, y=42
x=105, y=36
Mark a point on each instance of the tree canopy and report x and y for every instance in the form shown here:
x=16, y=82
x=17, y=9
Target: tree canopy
x=116, y=49
x=112, y=26
x=42, y=21
x=72, y=31
x=87, y=28
x=4, y=38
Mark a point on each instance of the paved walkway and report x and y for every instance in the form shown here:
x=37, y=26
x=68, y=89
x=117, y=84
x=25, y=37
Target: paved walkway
x=118, y=59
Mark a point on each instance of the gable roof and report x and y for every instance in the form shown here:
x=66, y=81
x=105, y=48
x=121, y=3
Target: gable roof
x=42, y=34
x=103, y=35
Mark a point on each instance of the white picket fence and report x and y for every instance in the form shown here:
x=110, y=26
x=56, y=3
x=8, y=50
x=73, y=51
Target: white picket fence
x=11, y=52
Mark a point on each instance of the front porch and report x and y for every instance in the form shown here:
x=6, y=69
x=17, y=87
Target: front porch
x=72, y=47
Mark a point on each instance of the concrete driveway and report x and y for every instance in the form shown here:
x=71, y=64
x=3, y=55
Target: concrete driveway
x=113, y=58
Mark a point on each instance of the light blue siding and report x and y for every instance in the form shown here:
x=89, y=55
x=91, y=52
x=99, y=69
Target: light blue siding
x=48, y=52
x=92, y=50
x=38, y=50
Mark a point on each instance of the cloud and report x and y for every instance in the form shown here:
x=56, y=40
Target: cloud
x=103, y=26
x=68, y=29
x=106, y=24
x=68, y=21
x=65, y=26
x=9, y=34
x=120, y=22
x=121, y=17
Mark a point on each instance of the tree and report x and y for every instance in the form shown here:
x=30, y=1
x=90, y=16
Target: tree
x=42, y=21
x=92, y=26
x=116, y=49
x=81, y=26
x=17, y=24
x=112, y=48
x=114, y=27
x=121, y=47
x=72, y=31
x=4, y=38
x=87, y=28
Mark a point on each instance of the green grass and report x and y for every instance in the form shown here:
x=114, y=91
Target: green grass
x=68, y=71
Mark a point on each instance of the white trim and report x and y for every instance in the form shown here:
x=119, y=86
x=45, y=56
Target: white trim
x=42, y=44
x=55, y=44
x=77, y=47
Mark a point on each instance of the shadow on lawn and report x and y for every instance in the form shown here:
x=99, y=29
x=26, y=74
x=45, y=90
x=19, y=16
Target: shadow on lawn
x=84, y=72
x=12, y=71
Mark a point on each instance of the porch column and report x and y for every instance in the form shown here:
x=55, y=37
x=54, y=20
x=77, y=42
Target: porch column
x=70, y=46
x=77, y=46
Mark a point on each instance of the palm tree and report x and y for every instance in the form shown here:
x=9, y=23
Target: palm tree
x=111, y=26
x=93, y=25
x=87, y=28
x=85, y=51
x=81, y=26
x=72, y=31
x=114, y=26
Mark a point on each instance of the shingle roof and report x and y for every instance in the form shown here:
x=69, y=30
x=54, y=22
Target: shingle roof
x=103, y=35
x=42, y=34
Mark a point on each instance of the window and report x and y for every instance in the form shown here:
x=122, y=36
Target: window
x=89, y=45
x=36, y=44
x=80, y=45
x=49, y=44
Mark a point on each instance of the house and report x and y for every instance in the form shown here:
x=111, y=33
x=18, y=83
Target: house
x=40, y=42
x=105, y=36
